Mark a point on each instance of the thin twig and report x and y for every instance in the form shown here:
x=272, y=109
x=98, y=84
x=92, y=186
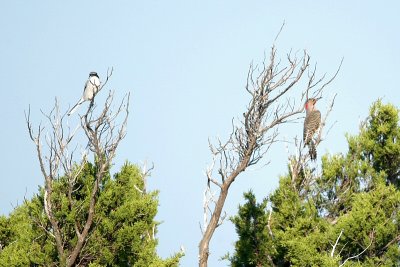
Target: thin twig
x=337, y=240
x=356, y=256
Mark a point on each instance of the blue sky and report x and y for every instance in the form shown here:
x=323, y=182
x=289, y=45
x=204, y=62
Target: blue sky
x=185, y=63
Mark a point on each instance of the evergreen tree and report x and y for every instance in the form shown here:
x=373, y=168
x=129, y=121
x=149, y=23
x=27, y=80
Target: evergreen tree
x=349, y=216
x=123, y=233
x=252, y=248
x=379, y=141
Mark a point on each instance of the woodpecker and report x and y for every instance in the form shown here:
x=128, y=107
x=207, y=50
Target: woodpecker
x=312, y=123
x=92, y=86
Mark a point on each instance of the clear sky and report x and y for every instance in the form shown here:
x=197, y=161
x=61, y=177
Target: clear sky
x=185, y=63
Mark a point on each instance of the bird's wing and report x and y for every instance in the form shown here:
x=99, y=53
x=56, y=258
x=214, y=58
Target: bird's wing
x=305, y=130
x=86, y=84
x=96, y=84
x=311, y=125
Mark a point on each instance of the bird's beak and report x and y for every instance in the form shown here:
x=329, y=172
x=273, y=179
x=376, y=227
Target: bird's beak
x=316, y=99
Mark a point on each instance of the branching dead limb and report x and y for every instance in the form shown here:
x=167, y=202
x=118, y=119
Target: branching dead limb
x=103, y=136
x=103, y=139
x=356, y=256
x=257, y=130
x=57, y=140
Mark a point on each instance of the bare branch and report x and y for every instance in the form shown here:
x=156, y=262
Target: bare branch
x=103, y=142
x=138, y=189
x=280, y=30
x=55, y=152
x=356, y=256
x=396, y=239
x=269, y=224
x=337, y=240
x=254, y=133
x=104, y=132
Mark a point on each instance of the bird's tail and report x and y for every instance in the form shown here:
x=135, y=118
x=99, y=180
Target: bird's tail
x=73, y=109
x=312, y=150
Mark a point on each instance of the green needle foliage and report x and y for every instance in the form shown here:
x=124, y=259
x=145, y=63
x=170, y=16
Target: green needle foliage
x=348, y=216
x=250, y=225
x=123, y=233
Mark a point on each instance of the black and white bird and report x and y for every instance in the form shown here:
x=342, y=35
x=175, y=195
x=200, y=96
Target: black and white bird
x=92, y=86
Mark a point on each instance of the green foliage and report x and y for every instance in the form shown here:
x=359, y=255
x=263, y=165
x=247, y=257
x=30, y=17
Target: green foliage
x=21, y=243
x=350, y=215
x=372, y=223
x=123, y=233
x=378, y=141
x=251, y=249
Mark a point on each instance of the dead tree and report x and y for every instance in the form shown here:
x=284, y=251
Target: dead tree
x=270, y=106
x=56, y=156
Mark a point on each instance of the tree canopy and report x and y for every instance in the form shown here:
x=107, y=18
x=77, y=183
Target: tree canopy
x=123, y=233
x=348, y=215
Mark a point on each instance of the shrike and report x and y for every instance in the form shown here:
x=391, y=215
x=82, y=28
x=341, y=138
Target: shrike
x=92, y=86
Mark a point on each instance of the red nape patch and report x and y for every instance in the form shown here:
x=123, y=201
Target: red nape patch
x=306, y=106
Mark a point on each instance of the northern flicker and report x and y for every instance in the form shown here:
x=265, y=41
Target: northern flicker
x=312, y=123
